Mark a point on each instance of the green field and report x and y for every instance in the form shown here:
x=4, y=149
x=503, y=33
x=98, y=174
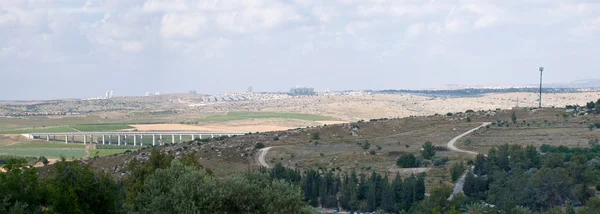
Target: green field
x=101, y=127
x=264, y=115
x=44, y=146
x=41, y=130
x=49, y=153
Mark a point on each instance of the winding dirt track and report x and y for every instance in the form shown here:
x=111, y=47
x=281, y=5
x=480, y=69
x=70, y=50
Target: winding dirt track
x=261, y=157
x=459, y=184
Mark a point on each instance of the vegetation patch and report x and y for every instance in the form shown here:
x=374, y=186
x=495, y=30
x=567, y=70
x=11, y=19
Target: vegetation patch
x=44, y=146
x=101, y=127
x=55, y=153
x=40, y=130
x=264, y=115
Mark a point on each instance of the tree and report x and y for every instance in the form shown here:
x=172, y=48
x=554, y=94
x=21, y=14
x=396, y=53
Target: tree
x=457, y=170
x=591, y=105
x=550, y=186
x=479, y=168
x=315, y=136
x=20, y=188
x=407, y=161
x=44, y=160
x=76, y=188
x=180, y=188
x=513, y=117
x=428, y=150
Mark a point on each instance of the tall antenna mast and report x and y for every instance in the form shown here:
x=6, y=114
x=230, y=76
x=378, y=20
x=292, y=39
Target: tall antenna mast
x=541, y=71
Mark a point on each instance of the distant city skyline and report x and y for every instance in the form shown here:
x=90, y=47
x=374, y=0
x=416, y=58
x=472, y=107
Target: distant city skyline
x=76, y=49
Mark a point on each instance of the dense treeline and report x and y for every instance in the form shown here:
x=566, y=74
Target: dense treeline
x=511, y=176
x=356, y=192
x=159, y=185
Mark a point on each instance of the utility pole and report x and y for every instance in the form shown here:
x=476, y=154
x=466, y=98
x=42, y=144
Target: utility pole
x=541, y=71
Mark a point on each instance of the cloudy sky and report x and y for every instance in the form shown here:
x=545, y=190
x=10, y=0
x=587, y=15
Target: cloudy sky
x=78, y=48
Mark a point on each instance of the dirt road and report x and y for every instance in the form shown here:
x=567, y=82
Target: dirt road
x=261, y=157
x=461, y=181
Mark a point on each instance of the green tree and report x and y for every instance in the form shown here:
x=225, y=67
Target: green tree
x=407, y=161
x=592, y=206
x=457, y=170
x=428, y=150
x=550, y=186
x=20, y=188
x=513, y=117
x=479, y=165
x=76, y=188
x=180, y=188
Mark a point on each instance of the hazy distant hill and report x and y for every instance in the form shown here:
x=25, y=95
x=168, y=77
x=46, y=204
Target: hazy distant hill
x=587, y=83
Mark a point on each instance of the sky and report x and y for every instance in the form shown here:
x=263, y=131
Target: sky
x=81, y=48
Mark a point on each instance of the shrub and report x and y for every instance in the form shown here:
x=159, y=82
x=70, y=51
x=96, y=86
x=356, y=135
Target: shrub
x=428, y=150
x=438, y=161
x=597, y=124
x=449, y=114
x=468, y=142
x=469, y=111
x=379, y=147
x=372, y=152
x=259, y=146
x=407, y=161
x=366, y=145
x=468, y=119
x=276, y=138
x=315, y=136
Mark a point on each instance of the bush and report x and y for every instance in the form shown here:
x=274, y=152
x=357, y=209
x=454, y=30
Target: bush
x=407, y=161
x=276, y=138
x=449, y=114
x=259, y=146
x=457, y=170
x=372, y=152
x=315, y=136
x=366, y=145
x=438, y=161
x=428, y=150
x=468, y=119
x=597, y=124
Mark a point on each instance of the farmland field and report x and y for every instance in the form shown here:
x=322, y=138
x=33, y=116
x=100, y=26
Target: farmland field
x=261, y=115
x=101, y=127
x=49, y=153
x=44, y=146
x=46, y=130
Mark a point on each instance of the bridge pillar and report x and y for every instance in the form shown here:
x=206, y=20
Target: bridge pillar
x=153, y=140
x=125, y=139
x=173, y=139
x=66, y=139
x=72, y=138
x=53, y=137
x=109, y=139
x=180, y=139
x=212, y=136
x=47, y=137
x=93, y=140
x=134, y=140
x=160, y=140
x=142, y=140
x=84, y=139
x=119, y=139
x=103, y=140
x=192, y=136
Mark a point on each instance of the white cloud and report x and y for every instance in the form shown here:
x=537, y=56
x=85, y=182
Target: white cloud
x=133, y=46
x=165, y=5
x=182, y=26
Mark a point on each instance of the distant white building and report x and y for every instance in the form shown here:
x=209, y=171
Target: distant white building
x=109, y=94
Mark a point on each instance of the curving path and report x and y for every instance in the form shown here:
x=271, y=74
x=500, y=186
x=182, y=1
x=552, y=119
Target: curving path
x=458, y=188
x=261, y=157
